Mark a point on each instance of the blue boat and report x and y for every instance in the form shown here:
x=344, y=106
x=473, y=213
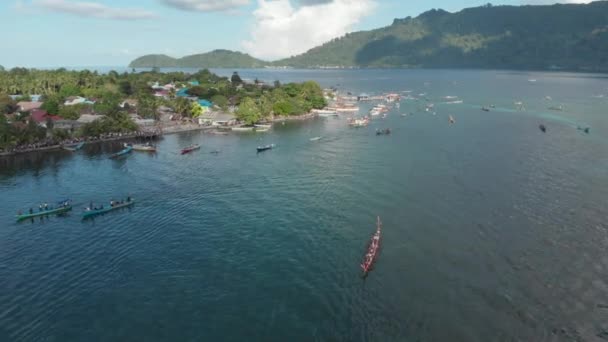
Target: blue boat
x=92, y=213
x=126, y=150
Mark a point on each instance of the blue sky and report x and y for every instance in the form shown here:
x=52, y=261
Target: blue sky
x=51, y=33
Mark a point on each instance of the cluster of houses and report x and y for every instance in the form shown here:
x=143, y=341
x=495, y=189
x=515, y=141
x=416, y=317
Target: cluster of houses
x=208, y=117
x=88, y=115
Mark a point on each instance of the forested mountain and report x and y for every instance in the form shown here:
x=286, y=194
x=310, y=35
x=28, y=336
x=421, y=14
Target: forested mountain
x=568, y=36
x=213, y=59
x=561, y=36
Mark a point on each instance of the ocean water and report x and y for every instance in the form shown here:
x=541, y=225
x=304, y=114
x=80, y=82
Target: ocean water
x=493, y=231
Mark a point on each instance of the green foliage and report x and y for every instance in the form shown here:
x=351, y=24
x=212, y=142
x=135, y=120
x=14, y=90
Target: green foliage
x=147, y=106
x=220, y=101
x=566, y=36
x=71, y=112
x=197, y=91
x=68, y=90
x=23, y=98
x=248, y=112
x=51, y=105
x=283, y=107
x=196, y=110
x=7, y=105
x=118, y=122
x=236, y=79
x=125, y=87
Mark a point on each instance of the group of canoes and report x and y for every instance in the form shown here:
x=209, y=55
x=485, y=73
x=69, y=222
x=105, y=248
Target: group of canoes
x=65, y=206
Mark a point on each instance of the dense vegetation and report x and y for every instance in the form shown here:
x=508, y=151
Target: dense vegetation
x=251, y=102
x=568, y=36
x=213, y=59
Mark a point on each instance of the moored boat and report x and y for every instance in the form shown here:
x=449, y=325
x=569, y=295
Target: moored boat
x=265, y=148
x=74, y=148
x=386, y=131
x=62, y=209
x=262, y=126
x=123, y=152
x=243, y=128
x=372, y=250
x=91, y=212
x=144, y=147
x=190, y=148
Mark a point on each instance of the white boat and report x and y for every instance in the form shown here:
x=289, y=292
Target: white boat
x=243, y=129
x=144, y=148
x=454, y=102
x=324, y=111
x=261, y=130
x=262, y=126
x=315, y=139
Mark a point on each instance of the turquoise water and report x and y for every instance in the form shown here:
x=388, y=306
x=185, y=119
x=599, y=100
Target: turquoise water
x=492, y=230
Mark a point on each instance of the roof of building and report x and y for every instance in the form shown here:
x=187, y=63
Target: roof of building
x=87, y=118
x=182, y=92
x=40, y=116
x=205, y=103
x=27, y=106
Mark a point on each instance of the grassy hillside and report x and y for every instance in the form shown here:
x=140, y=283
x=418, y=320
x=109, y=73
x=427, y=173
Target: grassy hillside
x=569, y=36
x=213, y=59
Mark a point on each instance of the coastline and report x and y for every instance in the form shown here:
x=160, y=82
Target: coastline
x=164, y=129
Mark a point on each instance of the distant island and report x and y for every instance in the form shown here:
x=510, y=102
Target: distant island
x=555, y=37
x=213, y=59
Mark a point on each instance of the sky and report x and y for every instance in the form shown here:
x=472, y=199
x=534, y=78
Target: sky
x=71, y=33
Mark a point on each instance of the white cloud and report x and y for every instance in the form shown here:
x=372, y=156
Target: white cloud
x=206, y=5
x=282, y=30
x=93, y=9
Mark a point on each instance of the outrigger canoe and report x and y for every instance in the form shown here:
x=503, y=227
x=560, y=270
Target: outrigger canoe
x=93, y=213
x=144, y=148
x=126, y=150
x=372, y=250
x=58, y=211
x=190, y=149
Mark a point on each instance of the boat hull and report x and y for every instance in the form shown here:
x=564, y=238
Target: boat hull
x=93, y=213
x=58, y=211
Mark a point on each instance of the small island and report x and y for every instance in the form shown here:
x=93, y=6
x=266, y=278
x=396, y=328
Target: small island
x=43, y=109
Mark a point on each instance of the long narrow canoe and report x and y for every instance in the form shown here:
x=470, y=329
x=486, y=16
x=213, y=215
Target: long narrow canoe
x=57, y=211
x=93, y=213
x=372, y=250
x=74, y=148
x=265, y=148
x=190, y=149
x=144, y=148
x=127, y=150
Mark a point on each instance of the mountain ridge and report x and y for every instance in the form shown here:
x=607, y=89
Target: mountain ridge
x=529, y=37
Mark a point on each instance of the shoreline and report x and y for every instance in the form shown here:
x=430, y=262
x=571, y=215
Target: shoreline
x=181, y=128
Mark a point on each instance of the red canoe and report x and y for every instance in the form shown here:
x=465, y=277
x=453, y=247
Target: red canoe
x=190, y=149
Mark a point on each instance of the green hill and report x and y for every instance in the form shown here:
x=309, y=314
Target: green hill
x=213, y=59
x=567, y=36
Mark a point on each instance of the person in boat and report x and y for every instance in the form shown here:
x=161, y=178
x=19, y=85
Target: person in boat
x=40, y=207
x=46, y=206
x=31, y=211
x=129, y=199
x=111, y=203
x=87, y=209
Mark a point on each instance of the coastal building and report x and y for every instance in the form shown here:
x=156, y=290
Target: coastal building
x=74, y=100
x=88, y=118
x=40, y=116
x=217, y=119
x=28, y=106
x=182, y=93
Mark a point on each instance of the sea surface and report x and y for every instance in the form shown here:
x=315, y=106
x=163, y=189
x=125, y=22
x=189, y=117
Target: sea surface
x=493, y=230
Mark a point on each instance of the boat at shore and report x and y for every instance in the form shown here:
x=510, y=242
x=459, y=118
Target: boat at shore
x=372, y=250
x=265, y=148
x=257, y=126
x=144, y=147
x=190, y=148
x=64, y=208
x=243, y=128
x=123, y=152
x=74, y=148
x=95, y=212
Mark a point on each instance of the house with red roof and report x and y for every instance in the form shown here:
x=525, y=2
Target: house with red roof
x=40, y=116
